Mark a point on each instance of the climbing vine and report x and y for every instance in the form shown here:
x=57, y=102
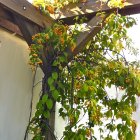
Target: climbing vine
x=80, y=85
x=52, y=6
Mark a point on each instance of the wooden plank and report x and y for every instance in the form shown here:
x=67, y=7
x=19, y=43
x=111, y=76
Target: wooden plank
x=76, y=9
x=5, y=15
x=26, y=10
x=94, y=28
x=90, y=9
x=28, y=30
x=10, y=26
x=95, y=25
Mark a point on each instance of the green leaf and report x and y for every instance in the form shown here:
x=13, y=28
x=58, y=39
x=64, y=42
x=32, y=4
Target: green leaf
x=50, y=81
x=55, y=94
x=62, y=59
x=65, y=54
x=133, y=100
x=130, y=136
x=46, y=114
x=119, y=126
x=54, y=75
x=85, y=87
x=55, y=63
x=61, y=85
x=121, y=79
x=39, y=105
x=52, y=87
x=81, y=137
x=38, y=113
x=49, y=103
x=108, y=113
x=44, y=98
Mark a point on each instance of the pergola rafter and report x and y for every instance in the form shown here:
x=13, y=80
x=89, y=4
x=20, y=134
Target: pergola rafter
x=94, y=25
x=91, y=8
x=27, y=11
x=12, y=10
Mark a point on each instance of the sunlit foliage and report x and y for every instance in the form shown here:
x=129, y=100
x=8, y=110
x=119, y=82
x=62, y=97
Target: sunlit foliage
x=80, y=84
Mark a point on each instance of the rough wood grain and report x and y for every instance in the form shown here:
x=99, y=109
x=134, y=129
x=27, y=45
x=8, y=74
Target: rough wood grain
x=90, y=9
x=95, y=25
x=6, y=15
x=10, y=27
x=27, y=11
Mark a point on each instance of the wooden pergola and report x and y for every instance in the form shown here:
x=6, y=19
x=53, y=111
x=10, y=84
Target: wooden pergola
x=22, y=18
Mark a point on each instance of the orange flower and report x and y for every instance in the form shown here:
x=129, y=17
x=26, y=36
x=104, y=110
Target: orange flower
x=62, y=40
x=39, y=62
x=37, y=35
x=73, y=47
x=33, y=37
x=58, y=31
x=88, y=132
x=50, y=9
x=66, y=27
x=47, y=36
x=35, y=55
x=39, y=41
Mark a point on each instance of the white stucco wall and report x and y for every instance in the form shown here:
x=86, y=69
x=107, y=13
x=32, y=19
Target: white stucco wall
x=15, y=86
x=16, y=81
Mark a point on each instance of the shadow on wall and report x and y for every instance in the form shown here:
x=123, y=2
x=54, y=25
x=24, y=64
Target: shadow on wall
x=15, y=86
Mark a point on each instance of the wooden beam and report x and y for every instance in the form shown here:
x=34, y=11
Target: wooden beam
x=28, y=11
x=90, y=8
x=28, y=30
x=4, y=14
x=95, y=25
x=10, y=27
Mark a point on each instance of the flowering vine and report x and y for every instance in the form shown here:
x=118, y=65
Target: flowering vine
x=79, y=85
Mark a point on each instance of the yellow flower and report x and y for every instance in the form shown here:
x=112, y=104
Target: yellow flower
x=39, y=41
